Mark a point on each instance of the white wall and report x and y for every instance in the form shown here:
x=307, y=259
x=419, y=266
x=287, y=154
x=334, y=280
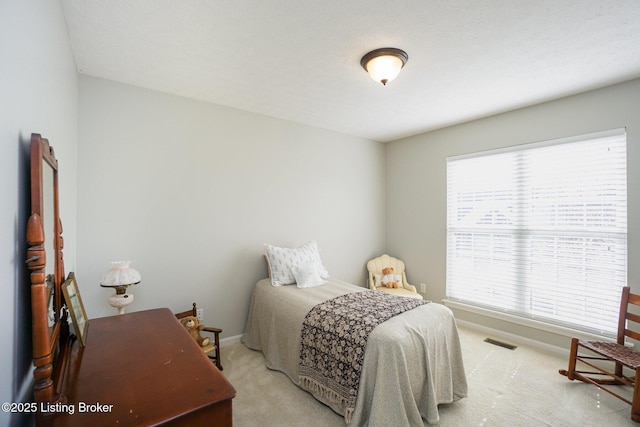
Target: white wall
x=416, y=179
x=38, y=93
x=191, y=191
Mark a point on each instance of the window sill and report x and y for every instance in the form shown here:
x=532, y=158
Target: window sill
x=531, y=323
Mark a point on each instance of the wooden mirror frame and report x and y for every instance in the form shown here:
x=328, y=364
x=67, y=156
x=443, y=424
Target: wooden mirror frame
x=50, y=337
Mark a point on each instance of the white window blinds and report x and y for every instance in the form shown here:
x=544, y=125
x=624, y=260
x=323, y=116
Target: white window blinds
x=540, y=230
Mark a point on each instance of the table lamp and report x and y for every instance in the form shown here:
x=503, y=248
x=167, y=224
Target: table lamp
x=120, y=276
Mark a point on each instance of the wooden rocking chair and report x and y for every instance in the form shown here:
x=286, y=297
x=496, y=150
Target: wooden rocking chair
x=604, y=353
x=213, y=349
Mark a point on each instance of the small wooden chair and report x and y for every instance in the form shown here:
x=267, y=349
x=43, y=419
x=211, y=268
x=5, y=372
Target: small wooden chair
x=604, y=353
x=375, y=267
x=213, y=350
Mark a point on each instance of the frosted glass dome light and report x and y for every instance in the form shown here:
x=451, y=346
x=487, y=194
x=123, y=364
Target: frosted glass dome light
x=384, y=65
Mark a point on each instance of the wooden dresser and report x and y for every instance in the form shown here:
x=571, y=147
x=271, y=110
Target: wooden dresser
x=140, y=369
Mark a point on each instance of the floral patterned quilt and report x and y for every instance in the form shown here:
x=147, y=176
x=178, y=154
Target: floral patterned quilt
x=334, y=337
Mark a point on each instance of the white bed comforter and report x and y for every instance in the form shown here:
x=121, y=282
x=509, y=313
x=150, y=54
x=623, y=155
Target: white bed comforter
x=412, y=362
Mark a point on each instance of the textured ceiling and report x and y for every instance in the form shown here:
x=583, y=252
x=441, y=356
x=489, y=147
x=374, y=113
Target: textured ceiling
x=300, y=60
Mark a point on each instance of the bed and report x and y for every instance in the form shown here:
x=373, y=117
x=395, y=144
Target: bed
x=412, y=363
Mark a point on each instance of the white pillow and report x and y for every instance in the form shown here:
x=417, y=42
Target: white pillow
x=282, y=260
x=308, y=274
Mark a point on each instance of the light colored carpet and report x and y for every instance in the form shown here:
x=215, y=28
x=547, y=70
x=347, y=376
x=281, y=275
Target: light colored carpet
x=518, y=387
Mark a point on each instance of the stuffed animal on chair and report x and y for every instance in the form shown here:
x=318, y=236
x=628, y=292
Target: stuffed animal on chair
x=193, y=326
x=389, y=279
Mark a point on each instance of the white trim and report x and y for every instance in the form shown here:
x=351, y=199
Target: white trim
x=536, y=324
x=590, y=136
x=236, y=339
x=515, y=339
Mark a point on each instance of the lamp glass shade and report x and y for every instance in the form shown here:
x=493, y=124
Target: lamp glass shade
x=384, y=68
x=120, y=274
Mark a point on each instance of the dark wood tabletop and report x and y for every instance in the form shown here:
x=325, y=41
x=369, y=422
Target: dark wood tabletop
x=139, y=369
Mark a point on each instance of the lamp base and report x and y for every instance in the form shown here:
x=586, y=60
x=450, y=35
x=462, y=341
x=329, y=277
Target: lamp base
x=120, y=301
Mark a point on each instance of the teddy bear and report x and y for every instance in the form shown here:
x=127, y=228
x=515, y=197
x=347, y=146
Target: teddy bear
x=193, y=326
x=389, y=279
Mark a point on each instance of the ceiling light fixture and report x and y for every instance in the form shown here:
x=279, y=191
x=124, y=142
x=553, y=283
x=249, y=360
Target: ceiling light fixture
x=384, y=65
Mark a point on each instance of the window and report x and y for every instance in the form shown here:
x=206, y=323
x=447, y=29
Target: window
x=540, y=230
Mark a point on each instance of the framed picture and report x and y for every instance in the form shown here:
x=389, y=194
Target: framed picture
x=76, y=308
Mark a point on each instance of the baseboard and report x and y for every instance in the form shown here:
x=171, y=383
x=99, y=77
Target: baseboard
x=515, y=339
x=236, y=339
